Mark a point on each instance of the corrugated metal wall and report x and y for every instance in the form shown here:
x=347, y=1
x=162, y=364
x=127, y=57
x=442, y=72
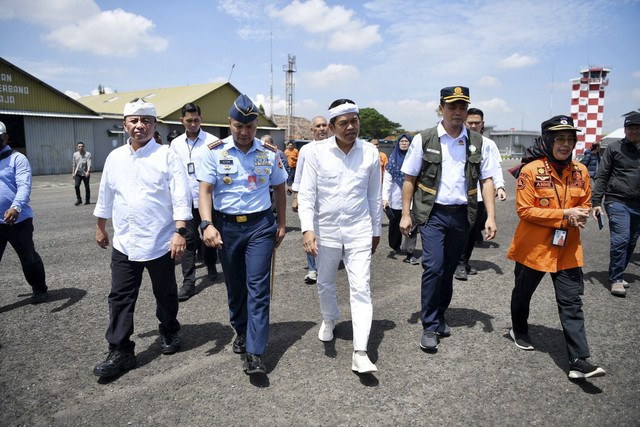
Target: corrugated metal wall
x=51, y=142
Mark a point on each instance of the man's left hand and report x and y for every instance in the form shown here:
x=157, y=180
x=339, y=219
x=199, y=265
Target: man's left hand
x=490, y=229
x=374, y=244
x=177, y=246
x=10, y=216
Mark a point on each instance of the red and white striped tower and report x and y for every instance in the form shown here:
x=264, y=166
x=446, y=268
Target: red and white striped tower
x=587, y=104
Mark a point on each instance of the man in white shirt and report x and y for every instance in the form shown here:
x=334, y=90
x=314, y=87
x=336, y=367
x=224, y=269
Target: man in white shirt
x=441, y=177
x=340, y=210
x=188, y=148
x=144, y=190
x=320, y=130
x=475, y=122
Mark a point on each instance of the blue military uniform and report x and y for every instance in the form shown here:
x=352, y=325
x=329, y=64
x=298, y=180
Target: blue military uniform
x=243, y=216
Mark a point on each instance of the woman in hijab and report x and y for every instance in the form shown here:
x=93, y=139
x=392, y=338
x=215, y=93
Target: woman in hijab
x=392, y=182
x=553, y=200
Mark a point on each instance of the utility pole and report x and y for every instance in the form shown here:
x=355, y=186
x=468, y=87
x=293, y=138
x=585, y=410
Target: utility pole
x=290, y=69
x=271, y=77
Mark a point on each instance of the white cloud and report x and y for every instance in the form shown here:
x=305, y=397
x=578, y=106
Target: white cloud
x=494, y=105
x=517, y=61
x=332, y=75
x=412, y=114
x=338, y=24
x=635, y=94
x=72, y=94
x=279, y=105
x=489, y=81
x=80, y=25
x=636, y=74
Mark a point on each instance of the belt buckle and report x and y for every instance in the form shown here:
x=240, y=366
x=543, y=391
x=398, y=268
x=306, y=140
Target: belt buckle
x=241, y=218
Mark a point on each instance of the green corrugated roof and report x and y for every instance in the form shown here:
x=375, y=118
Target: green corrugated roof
x=214, y=99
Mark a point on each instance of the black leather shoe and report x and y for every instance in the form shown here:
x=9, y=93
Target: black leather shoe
x=78, y=202
x=240, y=344
x=253, y=364
x=461, y=272
x=87, y=203
x=212, y=276
x=186, y=292
x=116, y=362
x=170, y=344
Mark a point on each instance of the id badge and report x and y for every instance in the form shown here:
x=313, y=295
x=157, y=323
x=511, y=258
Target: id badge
x=191, y=168
x=252, y=183
x=559, y=237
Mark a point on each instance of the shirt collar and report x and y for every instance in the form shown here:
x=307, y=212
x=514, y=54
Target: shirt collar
x=200, y=136
x=229, y=144
x=144, y=149
x=442, y=132
x=6, y=148
x=356, y=145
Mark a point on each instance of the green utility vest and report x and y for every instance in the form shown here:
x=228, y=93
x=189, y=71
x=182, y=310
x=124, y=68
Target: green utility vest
x=428, y=182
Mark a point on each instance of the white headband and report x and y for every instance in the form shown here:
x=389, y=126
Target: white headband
x=342, y=109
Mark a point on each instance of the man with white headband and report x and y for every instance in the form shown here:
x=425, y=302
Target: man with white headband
x=144, y=190
x=340, y=208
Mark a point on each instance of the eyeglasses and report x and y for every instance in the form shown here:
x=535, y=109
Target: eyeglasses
x=564, y=139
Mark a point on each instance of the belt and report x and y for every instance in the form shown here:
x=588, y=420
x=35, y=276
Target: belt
x=240, y=218
x=450, y=208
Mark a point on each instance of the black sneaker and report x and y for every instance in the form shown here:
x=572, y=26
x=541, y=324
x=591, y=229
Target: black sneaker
x=470, y=270
x=522, y=340
x=39, y=297
x=186, y=292
x=461, y=272
x=429, y=341
x=253, y=364
x=579, y=368
x=116, y=362
x=170, y=343
x=240, y=344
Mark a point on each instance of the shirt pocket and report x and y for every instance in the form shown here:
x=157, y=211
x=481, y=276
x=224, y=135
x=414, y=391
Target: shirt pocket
x=328, y=179
x=545, y=199
x=577, y=192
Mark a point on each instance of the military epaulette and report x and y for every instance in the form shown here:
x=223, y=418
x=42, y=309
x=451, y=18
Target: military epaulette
x=270, y=146
x=213, y=145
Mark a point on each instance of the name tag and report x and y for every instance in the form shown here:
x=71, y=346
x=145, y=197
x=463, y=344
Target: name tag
x=226, y=166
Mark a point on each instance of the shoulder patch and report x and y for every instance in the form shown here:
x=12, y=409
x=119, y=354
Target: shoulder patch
x=213, y=145
x=269, y=146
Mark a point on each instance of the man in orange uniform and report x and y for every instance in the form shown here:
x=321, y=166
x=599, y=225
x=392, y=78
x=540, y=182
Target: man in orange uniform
x=292, y=156
x=553, y=202
x=383, y=157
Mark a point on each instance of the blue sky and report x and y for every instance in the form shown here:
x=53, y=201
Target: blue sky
x=517, y=57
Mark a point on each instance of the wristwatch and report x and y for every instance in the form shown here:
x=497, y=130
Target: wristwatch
x=17, y=208
x=181, y=231
x=205, y=224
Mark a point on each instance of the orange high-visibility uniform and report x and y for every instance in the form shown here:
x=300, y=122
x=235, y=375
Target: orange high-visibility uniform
x=541, y=197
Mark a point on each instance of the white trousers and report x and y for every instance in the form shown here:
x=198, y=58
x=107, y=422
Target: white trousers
x=357, y=262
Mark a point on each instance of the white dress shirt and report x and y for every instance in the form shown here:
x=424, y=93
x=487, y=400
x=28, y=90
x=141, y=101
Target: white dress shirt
x=453, y=186
x=340, y=196
x=391, y=191
x=302, y=153
x=497, y=177
x=144, y=191
x=189, y=151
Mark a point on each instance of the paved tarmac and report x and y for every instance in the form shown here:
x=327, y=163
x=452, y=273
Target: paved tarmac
x=477, y=376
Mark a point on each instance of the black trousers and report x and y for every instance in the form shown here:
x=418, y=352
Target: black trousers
x=87, y=192
x=126, y=277
x=475, y=234
x=20, y=236
x=189, y=257
x=395, y=235
x=569, y=286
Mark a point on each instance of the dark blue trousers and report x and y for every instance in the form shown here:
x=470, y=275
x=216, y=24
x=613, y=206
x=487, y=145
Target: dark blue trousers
x=443, y=239
x=20, y=236
x=245, y=256
x=126, y=278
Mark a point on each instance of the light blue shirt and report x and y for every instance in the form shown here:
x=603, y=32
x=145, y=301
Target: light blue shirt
x=241, y=181
x=15, y=185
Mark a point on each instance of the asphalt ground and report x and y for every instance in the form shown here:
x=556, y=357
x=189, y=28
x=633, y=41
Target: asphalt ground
x=477, y=376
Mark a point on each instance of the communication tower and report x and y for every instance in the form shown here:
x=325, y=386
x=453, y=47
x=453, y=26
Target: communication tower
x=587, y=104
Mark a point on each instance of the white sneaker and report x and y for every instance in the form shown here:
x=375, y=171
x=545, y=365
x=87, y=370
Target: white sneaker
x=361, y=364
x=326, y=330
x=618, y=289
x=311, y=278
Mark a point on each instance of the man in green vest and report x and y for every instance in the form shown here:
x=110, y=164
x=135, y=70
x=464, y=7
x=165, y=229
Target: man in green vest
x=442, y=169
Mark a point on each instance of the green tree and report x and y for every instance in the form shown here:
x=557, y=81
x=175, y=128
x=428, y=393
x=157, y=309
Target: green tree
x=375, y=125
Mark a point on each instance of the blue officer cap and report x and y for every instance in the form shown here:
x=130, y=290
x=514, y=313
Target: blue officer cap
x=243, y=110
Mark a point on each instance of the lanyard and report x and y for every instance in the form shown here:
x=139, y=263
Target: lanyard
x=566, y=184
x=191, y=147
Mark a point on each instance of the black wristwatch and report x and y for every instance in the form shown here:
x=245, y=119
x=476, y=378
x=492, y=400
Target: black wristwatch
x=181, y=231
x=205, y=224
